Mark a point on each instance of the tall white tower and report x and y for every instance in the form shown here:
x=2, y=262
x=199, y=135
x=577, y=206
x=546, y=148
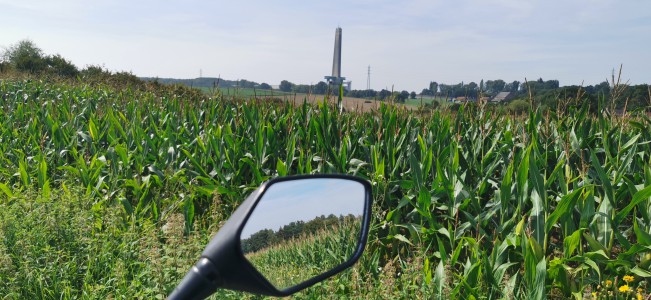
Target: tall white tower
x=335, y=78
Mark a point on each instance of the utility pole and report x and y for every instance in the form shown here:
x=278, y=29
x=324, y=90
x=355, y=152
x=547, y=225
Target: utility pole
x=368, y=78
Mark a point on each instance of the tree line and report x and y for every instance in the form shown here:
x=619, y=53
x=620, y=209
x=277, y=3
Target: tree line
x=268, y=237
x=26, y=57
x=472, y=89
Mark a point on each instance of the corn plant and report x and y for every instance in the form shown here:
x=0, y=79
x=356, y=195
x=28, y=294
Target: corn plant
x=491, y=205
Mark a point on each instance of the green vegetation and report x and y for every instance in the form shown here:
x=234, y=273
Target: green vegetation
x=295, y=260
x=26, y=57
x=69, y=245
x=613, y=95
x=466, y=204
x=434, y=102
x=209, y=82
x=268, y=237
x=385, y=95
x=249, y=93
x=110, y=187
x=519, y=106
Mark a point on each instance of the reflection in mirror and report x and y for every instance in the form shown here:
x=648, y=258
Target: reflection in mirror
x=302, y=228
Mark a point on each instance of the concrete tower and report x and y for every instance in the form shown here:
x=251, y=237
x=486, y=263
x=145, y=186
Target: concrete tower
x=335, y=78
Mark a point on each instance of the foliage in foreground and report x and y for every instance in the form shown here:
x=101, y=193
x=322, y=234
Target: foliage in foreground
x=467, y=205
x=65, y=247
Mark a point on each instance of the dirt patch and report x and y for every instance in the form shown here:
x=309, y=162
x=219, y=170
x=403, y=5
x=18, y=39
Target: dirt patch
x=349, y=103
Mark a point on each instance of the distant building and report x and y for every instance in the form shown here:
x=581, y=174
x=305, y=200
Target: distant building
x=464, y=99
x=502, y=96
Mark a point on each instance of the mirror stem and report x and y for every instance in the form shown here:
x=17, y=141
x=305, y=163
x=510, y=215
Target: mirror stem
x=200, y=282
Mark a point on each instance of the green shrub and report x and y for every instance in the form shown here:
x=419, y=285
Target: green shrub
x=519, y=106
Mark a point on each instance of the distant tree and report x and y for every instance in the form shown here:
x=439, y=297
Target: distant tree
x=301, y=88
x=425, y=92
x=472, y=90
x=25, y=56
x=515, y=86
x=94, y=71
x=433, y=87
x=286, y=86
x=540, y=85
x=362, y=93
x=243, y=83
x=383, y=94
x=494, y=86
x=264, y=86
x=126, y=78
x=603, y=88
x=412, y=95
x=551, y=84
x=60, y=66
x=498, y=86
x=320, y=88
x=446, y=89
x=402, y=96
x=458, y=90
x=258, y=241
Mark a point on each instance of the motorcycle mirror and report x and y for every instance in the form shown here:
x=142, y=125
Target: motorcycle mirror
x=289, y=234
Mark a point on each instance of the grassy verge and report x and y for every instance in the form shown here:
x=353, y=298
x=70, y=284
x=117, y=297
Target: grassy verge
x=65, y=247
x=424, y=101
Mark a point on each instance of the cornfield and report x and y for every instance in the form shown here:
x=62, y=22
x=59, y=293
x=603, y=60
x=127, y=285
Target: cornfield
x=294, y=261
x=470, y=204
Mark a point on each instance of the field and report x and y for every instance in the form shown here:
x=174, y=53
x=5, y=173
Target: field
x=246, y=92
x=349, y=103
x=418, y=102
x=112, y=193
x=294, y=261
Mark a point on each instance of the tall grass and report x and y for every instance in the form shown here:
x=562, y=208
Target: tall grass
x=294, y=261
x=65, y=247
x=467, y=204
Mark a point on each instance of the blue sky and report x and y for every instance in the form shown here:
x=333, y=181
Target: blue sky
x=407, y=43
x=305, y=199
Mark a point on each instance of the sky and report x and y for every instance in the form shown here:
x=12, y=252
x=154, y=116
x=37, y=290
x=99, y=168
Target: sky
x=305, y=199
x=406, y=43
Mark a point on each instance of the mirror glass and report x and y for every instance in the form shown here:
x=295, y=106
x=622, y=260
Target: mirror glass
x=302, y=228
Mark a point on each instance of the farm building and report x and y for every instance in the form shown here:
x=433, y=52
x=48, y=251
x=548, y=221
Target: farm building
x=502, y=96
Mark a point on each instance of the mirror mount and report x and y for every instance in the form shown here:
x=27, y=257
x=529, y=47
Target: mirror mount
x=202, y=281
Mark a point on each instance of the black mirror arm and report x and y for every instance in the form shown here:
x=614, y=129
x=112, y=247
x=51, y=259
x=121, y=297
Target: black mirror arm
x=202, y=281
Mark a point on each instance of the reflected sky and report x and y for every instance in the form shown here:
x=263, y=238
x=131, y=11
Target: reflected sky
x=304, y=199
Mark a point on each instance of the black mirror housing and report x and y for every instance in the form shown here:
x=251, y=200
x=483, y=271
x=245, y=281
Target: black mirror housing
x=223, y=264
